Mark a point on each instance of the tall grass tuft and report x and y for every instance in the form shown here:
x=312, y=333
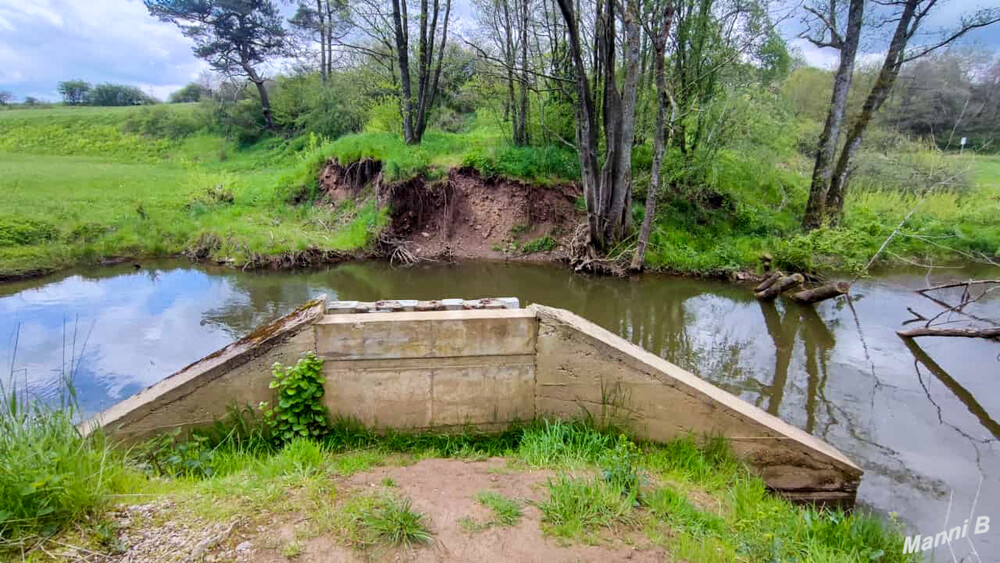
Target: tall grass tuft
x=50, y=474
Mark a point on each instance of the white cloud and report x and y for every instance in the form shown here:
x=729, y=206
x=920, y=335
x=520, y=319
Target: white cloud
x=97, y=41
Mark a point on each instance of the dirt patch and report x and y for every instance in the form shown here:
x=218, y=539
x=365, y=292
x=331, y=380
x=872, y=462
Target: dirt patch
x=345, y=182
x=465, y=215
x=444, y=491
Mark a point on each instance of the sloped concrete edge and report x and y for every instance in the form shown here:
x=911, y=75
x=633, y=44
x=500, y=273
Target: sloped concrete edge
x=578, y=362
x=237, y=374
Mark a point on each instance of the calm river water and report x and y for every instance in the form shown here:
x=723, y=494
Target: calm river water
x=921, y=421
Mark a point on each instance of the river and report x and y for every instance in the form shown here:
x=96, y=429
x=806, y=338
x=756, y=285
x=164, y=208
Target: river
x=920, y=419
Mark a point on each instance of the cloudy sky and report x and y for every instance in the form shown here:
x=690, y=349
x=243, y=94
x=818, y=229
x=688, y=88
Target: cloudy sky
x=45, y=41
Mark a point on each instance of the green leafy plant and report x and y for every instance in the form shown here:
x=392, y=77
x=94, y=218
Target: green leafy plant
x=166, y=455
x=299, y=409
x=621, y=466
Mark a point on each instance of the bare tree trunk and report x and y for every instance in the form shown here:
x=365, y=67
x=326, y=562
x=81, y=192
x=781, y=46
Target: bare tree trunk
x=659, y=140
x=608, y=190
x=322, y=39
x=522, y=136
x=402, y=53
x=878, y=94
x=826, y=152
x=586, y=119
x=265, y=102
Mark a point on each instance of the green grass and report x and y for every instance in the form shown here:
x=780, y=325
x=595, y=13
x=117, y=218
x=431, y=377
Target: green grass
x=384, y=519
x=580, y=506
x=71, y=197
x=482, y=149
x=50, y=475
x=692, y=496
x=85, y=184
x=506, y=512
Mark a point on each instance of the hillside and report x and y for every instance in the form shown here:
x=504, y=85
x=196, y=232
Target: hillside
x=85, y=185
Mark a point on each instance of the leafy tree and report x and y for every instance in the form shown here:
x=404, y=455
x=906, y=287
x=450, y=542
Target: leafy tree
x=74, y=92
x=31, y=101
x=193, y=92
x=234, y=36
x=6, y=97
x=118, y=95
x=826, y=198
x=824, y=32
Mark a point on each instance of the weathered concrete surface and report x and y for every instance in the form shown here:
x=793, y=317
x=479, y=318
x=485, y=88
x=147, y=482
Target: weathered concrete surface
x=486, y=368
x=439, y=369
x=200, y=393
x=582, y=367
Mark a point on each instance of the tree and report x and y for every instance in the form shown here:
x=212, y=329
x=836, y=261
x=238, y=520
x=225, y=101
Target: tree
x=505, y=25
x=118, y=95
x=6, y=97
x=193, y=92
x=428, y=72
x=846, y=42
x=659, y=33
x=607, y=182
x=908, y=19
x=74, y=92
x=234, y=36
x=31, y=101
x=325, y=22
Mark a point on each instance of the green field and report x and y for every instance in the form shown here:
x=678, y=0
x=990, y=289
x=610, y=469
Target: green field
x=81, y=185
x=133, y=195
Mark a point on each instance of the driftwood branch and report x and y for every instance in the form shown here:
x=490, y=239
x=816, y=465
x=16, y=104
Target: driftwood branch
x=953, y=332
x=768, y=281
x=821, y=293
x=782, y=285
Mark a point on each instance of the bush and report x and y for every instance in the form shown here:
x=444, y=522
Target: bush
x=162, y=121
x=299, y=409
x=118, y=95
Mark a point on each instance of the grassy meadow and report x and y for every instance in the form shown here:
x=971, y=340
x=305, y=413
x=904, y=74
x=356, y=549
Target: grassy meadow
x=82, y=185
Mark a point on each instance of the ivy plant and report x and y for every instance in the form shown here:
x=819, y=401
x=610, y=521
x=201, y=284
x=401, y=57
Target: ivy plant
x=299, y=409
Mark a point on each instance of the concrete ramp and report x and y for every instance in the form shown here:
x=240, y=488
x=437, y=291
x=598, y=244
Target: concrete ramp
x=486, y=364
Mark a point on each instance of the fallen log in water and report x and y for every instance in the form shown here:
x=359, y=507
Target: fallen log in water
x=821, y=293
x=782, y=285
x=954, y=332
x=768, y=281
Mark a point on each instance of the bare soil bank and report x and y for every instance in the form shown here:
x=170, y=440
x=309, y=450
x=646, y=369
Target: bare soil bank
x=464, y=215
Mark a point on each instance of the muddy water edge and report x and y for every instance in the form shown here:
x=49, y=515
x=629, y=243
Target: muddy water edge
x=920, y=418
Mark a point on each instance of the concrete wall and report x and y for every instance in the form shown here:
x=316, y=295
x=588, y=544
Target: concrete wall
x=199, y=394
x=583, y=368
x=430, y=369
x=487, y=368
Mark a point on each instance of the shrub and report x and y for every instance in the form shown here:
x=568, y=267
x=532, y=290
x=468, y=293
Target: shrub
x=540, y=244
x=118, y=95
x=299, y=409
x=23, y=232
x=166, y=122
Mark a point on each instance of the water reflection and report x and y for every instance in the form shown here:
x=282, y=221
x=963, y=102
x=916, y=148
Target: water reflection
x=921, y=419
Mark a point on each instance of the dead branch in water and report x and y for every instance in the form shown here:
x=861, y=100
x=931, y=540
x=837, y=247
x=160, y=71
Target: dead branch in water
x=784, y=284
x=768, y=281
x=821, y=293
x=953, y=332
